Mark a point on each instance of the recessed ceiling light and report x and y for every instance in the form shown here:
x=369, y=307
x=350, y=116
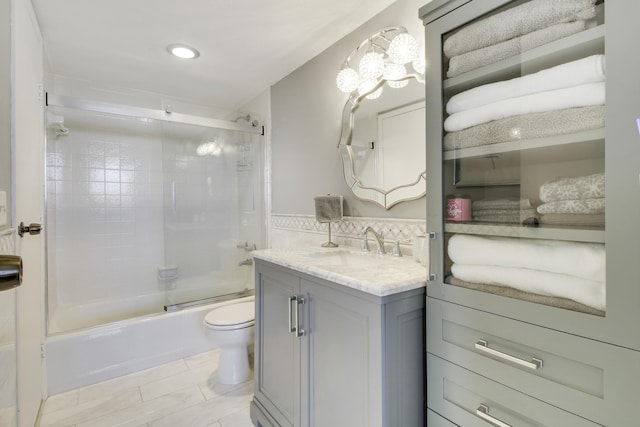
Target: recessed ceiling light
x=183, y=51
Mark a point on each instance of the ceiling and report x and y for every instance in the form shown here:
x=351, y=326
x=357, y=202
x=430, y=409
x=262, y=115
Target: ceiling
x=245, y=45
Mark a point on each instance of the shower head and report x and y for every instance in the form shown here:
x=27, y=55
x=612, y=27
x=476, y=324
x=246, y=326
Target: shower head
x=55, y=122
x=253, y=123
x=247, y=118
x=58, y=129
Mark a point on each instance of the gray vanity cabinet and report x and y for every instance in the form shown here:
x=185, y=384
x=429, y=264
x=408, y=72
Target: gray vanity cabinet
x=327, y=355
x=498, y=354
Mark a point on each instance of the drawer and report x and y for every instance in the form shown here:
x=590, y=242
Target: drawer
x=435, y=420
x=468, y=399
x=588, y=378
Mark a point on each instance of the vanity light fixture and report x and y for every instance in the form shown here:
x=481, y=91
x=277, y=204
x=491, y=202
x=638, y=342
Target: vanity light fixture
x=183, y=51
x=384, y=55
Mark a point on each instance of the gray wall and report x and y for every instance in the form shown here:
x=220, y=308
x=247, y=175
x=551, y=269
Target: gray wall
x=5, y=102
x=306, y=109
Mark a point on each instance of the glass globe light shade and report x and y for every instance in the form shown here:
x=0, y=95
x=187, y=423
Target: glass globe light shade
x=371, y=66
x=393, y=72
x=403, y=48
x=366, y=87
x=347, y=80
x=419, y=65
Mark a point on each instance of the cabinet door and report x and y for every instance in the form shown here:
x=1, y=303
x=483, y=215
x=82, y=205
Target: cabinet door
x=277, y=353
x=495, y=164
x=343, y=352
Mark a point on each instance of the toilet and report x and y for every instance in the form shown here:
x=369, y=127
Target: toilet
x=230, y=329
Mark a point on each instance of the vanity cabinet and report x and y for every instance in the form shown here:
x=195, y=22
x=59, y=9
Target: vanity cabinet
x=510, y=326
x=327, y=355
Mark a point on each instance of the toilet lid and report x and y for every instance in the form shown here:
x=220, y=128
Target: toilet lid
x=232, y=315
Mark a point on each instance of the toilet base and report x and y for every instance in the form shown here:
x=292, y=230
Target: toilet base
x=233, y=367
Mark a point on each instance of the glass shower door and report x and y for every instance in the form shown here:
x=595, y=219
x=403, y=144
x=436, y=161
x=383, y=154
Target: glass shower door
x=213, y=211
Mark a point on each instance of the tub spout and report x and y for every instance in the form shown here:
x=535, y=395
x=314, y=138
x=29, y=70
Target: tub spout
x=248, y=261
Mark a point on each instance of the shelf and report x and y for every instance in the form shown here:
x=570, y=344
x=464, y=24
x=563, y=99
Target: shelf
x=543, y=232
x=576, y=46
x=582, y=145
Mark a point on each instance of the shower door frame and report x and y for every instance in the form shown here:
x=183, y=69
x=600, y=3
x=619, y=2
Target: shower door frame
x=166, y=115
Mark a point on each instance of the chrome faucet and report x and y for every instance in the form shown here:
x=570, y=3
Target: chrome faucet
x=379, y=239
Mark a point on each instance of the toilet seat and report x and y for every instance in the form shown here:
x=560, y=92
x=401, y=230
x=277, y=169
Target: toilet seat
x=231, y=316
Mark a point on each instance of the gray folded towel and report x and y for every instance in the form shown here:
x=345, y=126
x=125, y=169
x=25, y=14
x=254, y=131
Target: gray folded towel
x=583, y=207
x=574, y=188
x=514, y=22
x=527, y=126
x=468, y=61
x=573, y=220
x=328, y=208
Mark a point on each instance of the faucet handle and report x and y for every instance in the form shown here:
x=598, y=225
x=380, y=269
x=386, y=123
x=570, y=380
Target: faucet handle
x=396, y=251
x=365, y=244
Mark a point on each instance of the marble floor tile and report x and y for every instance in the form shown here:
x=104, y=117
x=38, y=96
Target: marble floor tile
x=181, y=393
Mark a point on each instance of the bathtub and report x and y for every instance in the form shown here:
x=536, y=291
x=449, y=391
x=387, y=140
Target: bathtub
x=82, y=357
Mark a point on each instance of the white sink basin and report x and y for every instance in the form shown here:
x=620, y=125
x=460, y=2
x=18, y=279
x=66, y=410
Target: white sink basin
x=345, y=258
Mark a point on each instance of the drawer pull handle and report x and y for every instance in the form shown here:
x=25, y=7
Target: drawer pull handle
x=483, y=412
x=483, y=346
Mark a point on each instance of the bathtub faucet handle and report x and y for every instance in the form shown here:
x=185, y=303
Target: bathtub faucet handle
x=247, y=247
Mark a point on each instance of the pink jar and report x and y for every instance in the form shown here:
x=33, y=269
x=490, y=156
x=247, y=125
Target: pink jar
x=458, y=208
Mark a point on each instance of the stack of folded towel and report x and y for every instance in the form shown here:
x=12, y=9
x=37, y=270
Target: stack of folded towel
x=564, y=99
x=569, y=270
x=505, y=211
x=514, y=31
x=573, y=201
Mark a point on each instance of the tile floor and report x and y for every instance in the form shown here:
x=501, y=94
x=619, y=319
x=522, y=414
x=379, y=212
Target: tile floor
x=181, y=393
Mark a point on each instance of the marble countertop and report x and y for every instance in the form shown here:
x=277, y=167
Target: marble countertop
x=375, y=274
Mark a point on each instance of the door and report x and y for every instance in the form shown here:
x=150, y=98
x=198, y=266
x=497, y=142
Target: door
x=277, y=352
x=342, y=358
x=28, y=142
x=7, y=297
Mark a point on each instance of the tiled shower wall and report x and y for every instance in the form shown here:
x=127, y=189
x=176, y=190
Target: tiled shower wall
x=104, y=214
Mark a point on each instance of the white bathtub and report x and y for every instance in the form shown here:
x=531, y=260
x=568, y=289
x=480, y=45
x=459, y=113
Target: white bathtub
x=83, y=357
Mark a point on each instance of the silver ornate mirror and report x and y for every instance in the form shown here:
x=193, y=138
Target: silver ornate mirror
x=382, y=143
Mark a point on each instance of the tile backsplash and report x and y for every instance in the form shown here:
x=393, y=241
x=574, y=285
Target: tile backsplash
x=289, y=230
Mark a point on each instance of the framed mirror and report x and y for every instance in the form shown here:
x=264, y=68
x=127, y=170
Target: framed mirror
x=382, y=143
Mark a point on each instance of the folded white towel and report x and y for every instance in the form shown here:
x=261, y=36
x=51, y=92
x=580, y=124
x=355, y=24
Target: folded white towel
x=588, y=292
x=576, y=96
x=584, y=260
x=574, y=73
x=530, y=16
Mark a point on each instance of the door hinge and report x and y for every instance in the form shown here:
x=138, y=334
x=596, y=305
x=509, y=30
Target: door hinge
x=42, y=352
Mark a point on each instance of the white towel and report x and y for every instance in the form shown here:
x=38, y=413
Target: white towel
x=514, y=22
x=574, y=73
x=588, y=292
x=576, y=96
x=584, y=260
